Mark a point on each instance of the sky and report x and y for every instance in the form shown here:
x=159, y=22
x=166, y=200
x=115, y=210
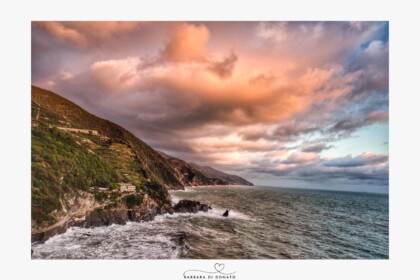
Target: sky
x=288, y=104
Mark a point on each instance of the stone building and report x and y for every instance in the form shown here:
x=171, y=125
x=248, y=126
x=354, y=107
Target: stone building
x=126, y=187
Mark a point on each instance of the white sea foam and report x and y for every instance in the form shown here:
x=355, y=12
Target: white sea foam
x=146, y=240
x=130, y=241
x=273, y=224
x=215, y=213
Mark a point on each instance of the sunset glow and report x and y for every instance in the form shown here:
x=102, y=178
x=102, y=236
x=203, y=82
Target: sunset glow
x=293, y=104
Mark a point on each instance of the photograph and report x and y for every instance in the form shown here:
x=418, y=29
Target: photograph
x=211, y=140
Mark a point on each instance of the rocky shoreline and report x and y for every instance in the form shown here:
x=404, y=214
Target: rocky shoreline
x=106, y=217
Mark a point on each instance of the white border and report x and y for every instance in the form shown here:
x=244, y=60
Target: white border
x=15, y=138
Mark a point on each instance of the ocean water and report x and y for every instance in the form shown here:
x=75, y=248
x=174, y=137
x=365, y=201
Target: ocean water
x=264, y=223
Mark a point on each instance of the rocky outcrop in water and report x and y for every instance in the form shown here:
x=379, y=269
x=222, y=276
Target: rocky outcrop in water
x=190, y=206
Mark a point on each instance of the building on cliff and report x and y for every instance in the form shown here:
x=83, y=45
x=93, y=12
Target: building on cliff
x=78, y=130
x=125, y=187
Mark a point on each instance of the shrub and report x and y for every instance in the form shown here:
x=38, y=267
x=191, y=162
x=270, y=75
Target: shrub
x=133, y=200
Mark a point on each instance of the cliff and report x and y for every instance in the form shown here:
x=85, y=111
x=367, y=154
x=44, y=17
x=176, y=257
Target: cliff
x=228, y=179
x=80, y=164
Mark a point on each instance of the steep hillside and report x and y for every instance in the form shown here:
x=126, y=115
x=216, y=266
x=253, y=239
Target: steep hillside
x=61, y=112
x=191, y=174
x=90, y=171
x=187, y=174
x=77, y=156
x=214, y=173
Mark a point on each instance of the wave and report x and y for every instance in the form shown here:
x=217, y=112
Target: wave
x=262, y=223
x=216, y=211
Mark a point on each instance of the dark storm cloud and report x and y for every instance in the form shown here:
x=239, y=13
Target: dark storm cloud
x=286, y=131
x=350, y=125
x=374, y=60
x=316, y=148
x=365, y=167
x=224, y=68
x=293, y=130
x=360, y=160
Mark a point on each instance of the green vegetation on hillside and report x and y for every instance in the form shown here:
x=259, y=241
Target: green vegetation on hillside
x=152, y=163
x=124, y=160
x=73, y=151
x=60, y=165
x=64, y=162
x=133, y=199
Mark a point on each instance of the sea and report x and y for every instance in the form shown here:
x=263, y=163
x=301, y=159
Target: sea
x=263, y=223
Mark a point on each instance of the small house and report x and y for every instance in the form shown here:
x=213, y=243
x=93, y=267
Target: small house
x=126, y=187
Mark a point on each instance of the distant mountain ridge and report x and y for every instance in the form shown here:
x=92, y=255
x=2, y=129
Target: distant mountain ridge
x=194, y=174
x=214, y=173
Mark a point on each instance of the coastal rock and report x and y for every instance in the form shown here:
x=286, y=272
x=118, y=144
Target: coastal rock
x=101, y=217
x=187, y=206
x=145, y=211
x=204, y=207
x=69, y=183
x=190, y=206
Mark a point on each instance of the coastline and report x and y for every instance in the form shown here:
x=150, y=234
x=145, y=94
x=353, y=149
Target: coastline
x=98, y=216
x=263, y=223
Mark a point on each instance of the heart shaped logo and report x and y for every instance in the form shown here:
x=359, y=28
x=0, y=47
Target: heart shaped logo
x=219, y=267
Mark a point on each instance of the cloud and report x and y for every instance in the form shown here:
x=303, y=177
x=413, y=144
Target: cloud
x=375, y=48
x=301, y=157
x=210, y=101
x=373, y=61
x=350, y=125
x=367, y=158
x=316, y=148
x=292, y=130
x=272, y=30
x=80, y=33
x=263, y=96
x=367, y=167
x=116, y=75
x=187, y=43
x=65, y=75
x=104, y=29
x=224, y=68
x=262, y=79
x=63, y=33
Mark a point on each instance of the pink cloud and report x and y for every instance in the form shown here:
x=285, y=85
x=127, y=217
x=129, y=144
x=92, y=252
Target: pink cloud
x=63, y=33
x=224, y=68
x=80, y=32
x=116, y=75
x=104, y=29
x=187, y=43
x=269, y=94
